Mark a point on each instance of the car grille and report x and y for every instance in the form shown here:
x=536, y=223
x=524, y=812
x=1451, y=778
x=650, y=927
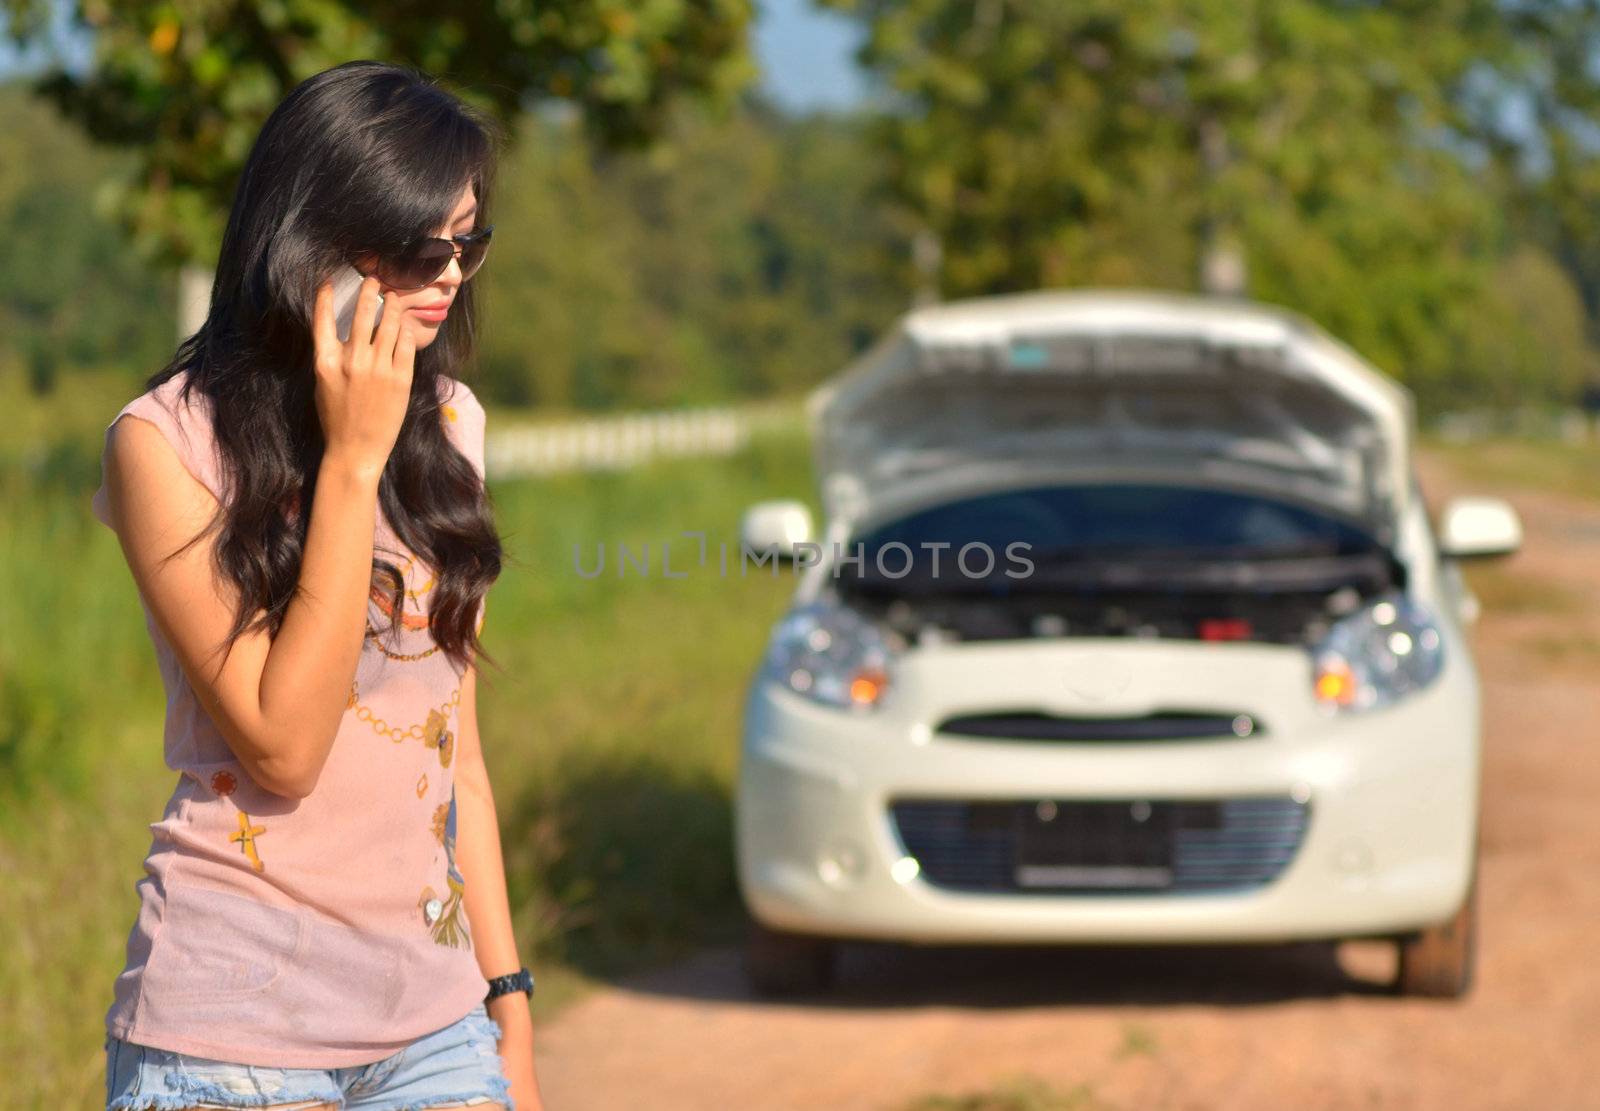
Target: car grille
x=1165, y=725
x=1121, y=846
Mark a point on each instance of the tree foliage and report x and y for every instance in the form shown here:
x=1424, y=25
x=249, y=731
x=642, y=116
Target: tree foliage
x=1362, y=158
x=189, y=82
x=739, y=256
x=72, y=293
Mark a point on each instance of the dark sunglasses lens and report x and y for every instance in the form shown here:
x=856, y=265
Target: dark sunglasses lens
x=472, y=256
x=430, y=258
x=418, y=267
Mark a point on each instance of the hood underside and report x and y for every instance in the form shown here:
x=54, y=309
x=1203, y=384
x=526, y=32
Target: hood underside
x=1111, y=385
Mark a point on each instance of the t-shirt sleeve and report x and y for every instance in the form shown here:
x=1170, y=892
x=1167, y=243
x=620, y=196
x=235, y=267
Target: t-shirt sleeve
x=186, y=425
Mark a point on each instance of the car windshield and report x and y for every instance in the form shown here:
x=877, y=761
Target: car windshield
x=1122, y=524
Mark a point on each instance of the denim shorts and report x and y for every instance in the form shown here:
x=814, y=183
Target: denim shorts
x=458, y=1066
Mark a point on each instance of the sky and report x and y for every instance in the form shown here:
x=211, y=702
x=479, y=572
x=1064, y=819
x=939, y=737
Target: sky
x=806, y=55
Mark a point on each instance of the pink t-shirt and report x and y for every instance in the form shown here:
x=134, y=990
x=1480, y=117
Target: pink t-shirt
x=327, y=931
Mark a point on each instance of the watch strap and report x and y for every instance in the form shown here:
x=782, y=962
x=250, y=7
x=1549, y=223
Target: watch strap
x=520, y=980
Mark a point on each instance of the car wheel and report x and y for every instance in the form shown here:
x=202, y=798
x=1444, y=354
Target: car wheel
x=778, y=962
x=1439, y=961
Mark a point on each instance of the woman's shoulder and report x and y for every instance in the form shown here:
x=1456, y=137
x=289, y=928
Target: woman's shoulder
x=185, y=422
x=464, y=418
x=455, y=395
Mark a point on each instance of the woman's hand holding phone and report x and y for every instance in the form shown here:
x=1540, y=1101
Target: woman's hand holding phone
x=363, y=383
x=278, y=699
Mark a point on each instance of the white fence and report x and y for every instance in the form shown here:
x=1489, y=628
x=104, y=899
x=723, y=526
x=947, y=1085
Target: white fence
x=628, y=439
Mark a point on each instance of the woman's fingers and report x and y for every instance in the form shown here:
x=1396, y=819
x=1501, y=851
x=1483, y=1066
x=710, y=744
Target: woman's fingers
x=324, y=334
x=389, y=330
x=366, y=309
x=405, y=352
x=364, y=384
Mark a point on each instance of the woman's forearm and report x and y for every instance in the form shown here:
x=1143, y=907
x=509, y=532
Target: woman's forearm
x=479, y=857
x=277, y=697
x=489, y=918
x=363, y=391
x=305, y=681
x=482, y=865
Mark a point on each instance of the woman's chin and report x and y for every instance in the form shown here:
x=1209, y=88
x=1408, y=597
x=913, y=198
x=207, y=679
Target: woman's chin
x=423, y=332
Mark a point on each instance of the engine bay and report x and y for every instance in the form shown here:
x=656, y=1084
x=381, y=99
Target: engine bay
x=1294, y=618
x=1113, y=560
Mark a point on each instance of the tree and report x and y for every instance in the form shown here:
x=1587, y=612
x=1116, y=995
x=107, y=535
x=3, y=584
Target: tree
x=1352, y=155
x=72, y=293
x=738, y=256
x=189, y=82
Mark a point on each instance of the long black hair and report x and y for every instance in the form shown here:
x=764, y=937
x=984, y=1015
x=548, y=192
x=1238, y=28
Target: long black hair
x=365, y=156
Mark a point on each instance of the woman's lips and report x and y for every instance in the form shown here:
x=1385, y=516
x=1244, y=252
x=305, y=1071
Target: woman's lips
x=433, y=313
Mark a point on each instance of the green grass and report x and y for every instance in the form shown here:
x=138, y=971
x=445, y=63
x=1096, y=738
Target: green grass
x=1504, y=591
x=1569, y=468
x=1138, y=1040
x=611, y=733
x=1562, y=650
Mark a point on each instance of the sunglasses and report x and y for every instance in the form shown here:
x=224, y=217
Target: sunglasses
x=425, y=259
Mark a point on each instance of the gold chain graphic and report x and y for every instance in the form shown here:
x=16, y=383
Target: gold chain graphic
x=404, y=657
x=429, y=732
x=409, y=621
x=416, y=595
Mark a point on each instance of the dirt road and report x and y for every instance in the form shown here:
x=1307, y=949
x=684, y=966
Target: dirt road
x=1305, y=1026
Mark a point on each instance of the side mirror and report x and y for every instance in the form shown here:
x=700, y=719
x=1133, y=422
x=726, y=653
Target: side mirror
x=777, y=526
x=1474, y=527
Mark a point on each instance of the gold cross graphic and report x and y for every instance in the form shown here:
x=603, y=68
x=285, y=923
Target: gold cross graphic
x=247, y=839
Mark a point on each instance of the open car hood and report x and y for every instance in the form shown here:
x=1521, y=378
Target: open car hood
x=1111, y=385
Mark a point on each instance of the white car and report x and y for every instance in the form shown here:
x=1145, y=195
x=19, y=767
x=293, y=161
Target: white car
x=1127, y=623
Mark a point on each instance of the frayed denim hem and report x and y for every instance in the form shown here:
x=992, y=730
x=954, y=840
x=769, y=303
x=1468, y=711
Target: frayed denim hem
x=185, y=1091
x=489, y=1033
x=499, y=1087
x=500, y=1092
x=211, y=1093
x=460, y=1064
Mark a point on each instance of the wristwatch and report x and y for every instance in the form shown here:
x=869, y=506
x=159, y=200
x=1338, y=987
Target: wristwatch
x=520, y=980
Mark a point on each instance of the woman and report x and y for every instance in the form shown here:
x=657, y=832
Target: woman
x=323, y=921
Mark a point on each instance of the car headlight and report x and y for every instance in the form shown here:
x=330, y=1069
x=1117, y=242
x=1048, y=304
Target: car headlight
x=1377, y=655
x=831, y=654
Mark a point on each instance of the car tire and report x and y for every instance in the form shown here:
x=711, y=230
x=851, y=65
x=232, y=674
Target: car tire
x=1439, y=962
x=778, y=962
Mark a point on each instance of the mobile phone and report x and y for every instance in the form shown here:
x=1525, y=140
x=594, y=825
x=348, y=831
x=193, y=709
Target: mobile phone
x=346, y=291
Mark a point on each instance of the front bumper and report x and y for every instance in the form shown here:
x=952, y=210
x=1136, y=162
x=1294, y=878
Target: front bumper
x=1391, y=795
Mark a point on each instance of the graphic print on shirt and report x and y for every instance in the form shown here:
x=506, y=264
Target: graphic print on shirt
x=403, y=657
x=430, y=732
x=246, y=837
x=224, y=784
x=408, y=619
x=287, y=975
x=435, y=735
x=411, y=619
x=445, y=917
x=434, y=731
